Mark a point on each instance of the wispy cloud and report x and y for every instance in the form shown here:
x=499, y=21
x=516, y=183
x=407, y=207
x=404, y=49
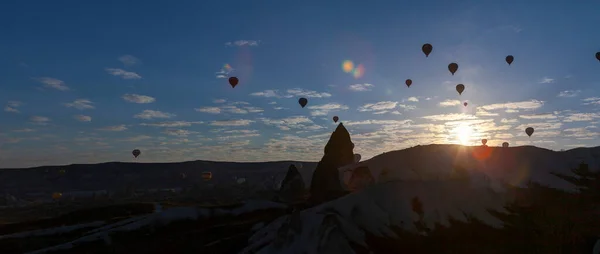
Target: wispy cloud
x=210, y=110
x=136, y=98
x=525, y=105
x=39, y=120
x=378, y=106
x=323, y=110
x=569, y=93
x=293, y=122
x=114, y=128
x=129, y=60
x=83, y=118
x=295, y=92
x=123, y=73
x=361, y=87
x=171, y=124
x=591, y=101
x=178, y=132
x=12, y=106
x=546, y=80
x=413, y=99
x=240, y=43
x=449, y=117
x=219, y=101
x=581, y=117
x=241, y=122
x=450, y=103
x=80, y=104
x=53, y=83
x=539, y=116
x=152, y=114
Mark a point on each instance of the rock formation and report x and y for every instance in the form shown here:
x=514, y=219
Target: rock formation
x=360, y=179
x=292, y=188
x=325, y=183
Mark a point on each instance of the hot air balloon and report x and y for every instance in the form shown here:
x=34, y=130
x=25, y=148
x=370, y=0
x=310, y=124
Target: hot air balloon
x=465, y=104
x=598, y=56
x=233, y=81
x=505, y=144
x=357, y=158
x=427, y=48
x=460, y=88
x=136, y=153
x=335, y=119
x=56, y=195
x=408, y=82
x=529, y=131
x=509, y=59
x=484, y=141
x=206, y=176
x=453, y=67
x=303, y=102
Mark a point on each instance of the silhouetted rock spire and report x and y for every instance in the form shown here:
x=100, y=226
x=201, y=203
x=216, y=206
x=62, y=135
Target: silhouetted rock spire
x=292, y=187
x=325, y=183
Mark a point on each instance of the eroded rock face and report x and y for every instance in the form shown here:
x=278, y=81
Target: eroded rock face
x=292, y=187
x=360, y=179
x=326, y=183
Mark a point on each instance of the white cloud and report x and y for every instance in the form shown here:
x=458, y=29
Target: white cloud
x=450, y=103
x=53, y=83
x=114, y=128
x=378, y=106
x=24, y=130
x=482, y=112
x=592, y=101
x=295, y=92
x=361, y=87
x=546, y=80
x=241, y=122
x=449, y=117
x=11, y=109
x=294, y=122
x=83, y=118
x=538, y=116
x=123, y=73
x=171, y=124
x=241, y=43
x=151, y=114
x=504, y=120
x=397, y=123
x=413, y=99
x=178, y=132
x=581, y=117
x=307, y=93
x=129, y=60
x=219, y=101
x=12, y=106
x=525, y=105
x=40, y=120
x=323, y=110
x=80, y=104
x=210, y=110
x=266, y=93
x=569, y=93
x=136, y=98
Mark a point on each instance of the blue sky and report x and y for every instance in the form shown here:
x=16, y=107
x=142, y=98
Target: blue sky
x=85, y=82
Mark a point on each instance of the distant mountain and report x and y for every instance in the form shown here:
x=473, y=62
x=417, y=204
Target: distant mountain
x=117, y=175
x=515, y=165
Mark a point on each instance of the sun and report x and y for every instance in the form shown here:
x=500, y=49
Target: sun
x=464, y=133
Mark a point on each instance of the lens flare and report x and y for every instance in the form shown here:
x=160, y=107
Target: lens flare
x=347, y=66
x=359, y=71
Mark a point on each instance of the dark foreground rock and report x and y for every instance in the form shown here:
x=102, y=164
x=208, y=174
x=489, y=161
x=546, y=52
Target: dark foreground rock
x=326, y=183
